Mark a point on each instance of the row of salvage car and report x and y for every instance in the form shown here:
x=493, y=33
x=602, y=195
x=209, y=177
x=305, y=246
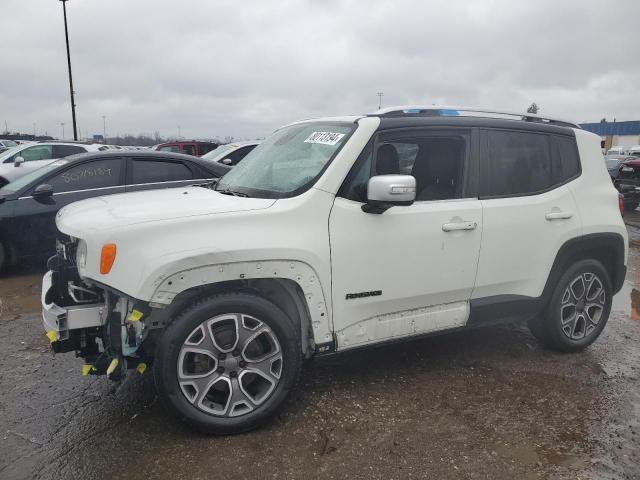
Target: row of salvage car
x=37, y=180
x=624, y=170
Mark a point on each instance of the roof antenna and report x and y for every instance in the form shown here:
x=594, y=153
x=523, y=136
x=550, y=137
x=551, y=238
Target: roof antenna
x=380, y=95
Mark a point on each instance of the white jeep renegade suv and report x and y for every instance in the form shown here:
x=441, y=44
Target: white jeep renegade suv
x=336, y=234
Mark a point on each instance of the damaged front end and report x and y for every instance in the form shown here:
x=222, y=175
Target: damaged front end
x=104, y=327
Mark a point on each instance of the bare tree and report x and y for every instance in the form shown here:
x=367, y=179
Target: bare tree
x=533, y=108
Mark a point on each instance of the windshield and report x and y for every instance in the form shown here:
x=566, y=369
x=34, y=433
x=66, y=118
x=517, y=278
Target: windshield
x=221, y=149
x=26, y=179
x=9, y=143
x=288, y=162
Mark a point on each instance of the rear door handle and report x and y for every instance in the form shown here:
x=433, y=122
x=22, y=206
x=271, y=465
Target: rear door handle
x=558, y=215
x=450, y=227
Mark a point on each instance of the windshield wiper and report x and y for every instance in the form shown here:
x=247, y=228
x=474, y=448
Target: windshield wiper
x=232, y=192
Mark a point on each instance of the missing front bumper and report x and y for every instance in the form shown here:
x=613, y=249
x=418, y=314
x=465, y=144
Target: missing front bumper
x=59, y=322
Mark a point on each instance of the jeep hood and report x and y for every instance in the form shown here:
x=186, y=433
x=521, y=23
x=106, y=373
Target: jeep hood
x=126, y=209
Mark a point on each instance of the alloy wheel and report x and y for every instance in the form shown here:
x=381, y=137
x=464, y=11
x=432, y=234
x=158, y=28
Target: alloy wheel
x=229, y=365
x=582, y=305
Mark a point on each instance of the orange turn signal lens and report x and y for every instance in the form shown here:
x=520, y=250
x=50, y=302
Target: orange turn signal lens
x=107, y=257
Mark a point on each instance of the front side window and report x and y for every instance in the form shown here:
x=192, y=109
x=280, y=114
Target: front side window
x=152, y=171
x=239, y=154
x=88, y=175
x=289, y=161
x=218, y=151
x=518, y=163
x=189, y=149
x=37, y=152
x=436, y=162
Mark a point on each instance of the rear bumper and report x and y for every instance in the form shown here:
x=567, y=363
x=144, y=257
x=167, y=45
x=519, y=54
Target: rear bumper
x=59, y=322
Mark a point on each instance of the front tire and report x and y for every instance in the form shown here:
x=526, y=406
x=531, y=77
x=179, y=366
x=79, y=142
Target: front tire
x=227, y=362
x=579, y=308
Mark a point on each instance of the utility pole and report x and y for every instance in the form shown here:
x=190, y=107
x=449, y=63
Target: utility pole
x=66, y=37
x=104, y=128
x=62, y=123
x=34, y=130
x=178, y=133
x=380, y=95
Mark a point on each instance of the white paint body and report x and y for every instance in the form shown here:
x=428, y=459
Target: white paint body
x=175, y=239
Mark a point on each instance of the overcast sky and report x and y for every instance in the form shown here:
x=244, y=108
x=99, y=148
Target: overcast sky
x=242, y=68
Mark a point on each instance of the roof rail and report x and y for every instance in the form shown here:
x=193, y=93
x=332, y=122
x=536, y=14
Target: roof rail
x=455, y=111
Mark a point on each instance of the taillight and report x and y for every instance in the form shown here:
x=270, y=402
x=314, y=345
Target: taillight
x=621, y=203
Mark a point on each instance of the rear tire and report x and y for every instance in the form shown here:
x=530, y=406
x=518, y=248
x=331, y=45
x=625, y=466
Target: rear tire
x=227, y=362
x=578, y=310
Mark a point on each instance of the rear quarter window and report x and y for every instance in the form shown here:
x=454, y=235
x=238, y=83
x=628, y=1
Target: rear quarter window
x=567, y=161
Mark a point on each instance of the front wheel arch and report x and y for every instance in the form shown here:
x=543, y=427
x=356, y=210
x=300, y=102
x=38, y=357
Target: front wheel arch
x=177, y=333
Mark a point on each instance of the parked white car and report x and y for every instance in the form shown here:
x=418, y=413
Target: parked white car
x=6, y=144
x=336, y=234
x=230, y=153
x=635, y=151
x=24, y=158
x=617, y=151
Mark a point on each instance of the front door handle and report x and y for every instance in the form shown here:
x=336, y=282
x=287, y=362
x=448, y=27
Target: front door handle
x=558, y=216
x=451, y=227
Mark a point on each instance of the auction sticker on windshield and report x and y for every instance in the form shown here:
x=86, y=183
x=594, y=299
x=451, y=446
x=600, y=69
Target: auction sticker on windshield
x=325, y=138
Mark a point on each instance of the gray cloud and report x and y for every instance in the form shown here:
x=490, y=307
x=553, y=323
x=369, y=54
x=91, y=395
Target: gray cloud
x=219, y=68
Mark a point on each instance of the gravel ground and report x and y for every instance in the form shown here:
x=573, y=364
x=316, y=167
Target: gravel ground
x=488, y=404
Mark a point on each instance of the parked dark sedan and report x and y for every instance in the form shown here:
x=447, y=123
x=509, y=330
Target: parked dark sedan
x=29, y=204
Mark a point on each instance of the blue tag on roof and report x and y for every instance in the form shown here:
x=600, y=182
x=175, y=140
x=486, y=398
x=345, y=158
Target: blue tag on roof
x=449, y=113
x=412, y=110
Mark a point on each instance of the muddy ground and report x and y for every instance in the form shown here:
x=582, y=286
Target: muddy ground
x=488, y=404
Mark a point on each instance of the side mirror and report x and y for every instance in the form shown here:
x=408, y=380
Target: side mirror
x=18, y=161
x=386, y=191
x=43, y=191
x=226, y=161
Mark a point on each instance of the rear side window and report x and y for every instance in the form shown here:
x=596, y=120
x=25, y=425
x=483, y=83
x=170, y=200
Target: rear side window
x=60, y=151
x=148, y=171
x=567, y=162
x=518, y=163
x=89, y=175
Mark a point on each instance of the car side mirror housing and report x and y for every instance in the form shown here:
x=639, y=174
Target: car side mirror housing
x=43, y=191
x=386, y=191
x=19, y=160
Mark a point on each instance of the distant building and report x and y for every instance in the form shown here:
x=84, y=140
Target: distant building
x=616, y=134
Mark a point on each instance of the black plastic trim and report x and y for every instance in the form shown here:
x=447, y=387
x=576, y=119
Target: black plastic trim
x=387, y=123
x=503, y=309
